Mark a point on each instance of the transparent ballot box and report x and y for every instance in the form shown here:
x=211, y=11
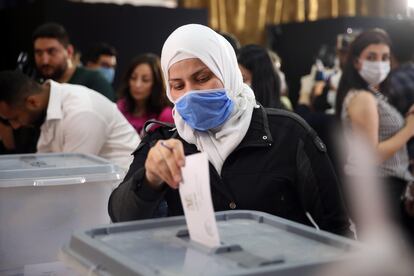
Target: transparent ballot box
x=45, y=197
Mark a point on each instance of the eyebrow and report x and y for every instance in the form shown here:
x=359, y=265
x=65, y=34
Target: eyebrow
x=45, y=49
x=193, y=75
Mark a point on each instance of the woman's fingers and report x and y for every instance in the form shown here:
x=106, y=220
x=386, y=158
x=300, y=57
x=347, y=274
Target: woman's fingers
x=178, y=151
x=170, y=165
x=164, y=162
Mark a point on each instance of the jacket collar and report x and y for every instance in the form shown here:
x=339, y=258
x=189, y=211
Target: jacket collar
x=258, y=133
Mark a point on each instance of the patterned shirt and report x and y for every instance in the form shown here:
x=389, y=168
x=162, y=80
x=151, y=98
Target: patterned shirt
x=390, y=122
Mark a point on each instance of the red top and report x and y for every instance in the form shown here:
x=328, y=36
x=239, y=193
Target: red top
x=138, y=122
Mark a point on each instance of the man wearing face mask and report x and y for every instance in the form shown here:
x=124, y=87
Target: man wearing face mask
x=364, y=110
x=101, y=57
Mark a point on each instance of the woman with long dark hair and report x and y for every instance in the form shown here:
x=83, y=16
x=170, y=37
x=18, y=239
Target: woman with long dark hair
x=143, y=93
x=259, y=73
x=363, y=108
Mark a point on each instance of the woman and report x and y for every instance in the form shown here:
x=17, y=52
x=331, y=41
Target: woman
x=259, y=73
x=264, y=160
x=362, y=106
x=143, y=93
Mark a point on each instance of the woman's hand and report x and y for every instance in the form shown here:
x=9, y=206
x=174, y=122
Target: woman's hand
x=409, y=123
x=164, y=163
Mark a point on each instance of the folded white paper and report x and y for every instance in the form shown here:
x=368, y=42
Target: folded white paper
x=196, y=200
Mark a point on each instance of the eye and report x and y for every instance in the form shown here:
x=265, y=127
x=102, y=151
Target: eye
x=52, y=51
x=177, y=87
x=203, y=78
x=176, y=84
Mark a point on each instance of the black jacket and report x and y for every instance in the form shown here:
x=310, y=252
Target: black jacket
x=280, y=167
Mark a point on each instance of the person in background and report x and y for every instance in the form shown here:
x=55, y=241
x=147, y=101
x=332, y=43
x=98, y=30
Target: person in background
x=259, y=73
x=401, y=94
x=53, y=53
x=71, y=118
x=232, y=39
x=284, y=90
x=76, y=57
x=318, y=89
x=318, y=92
x=142, y=93
x=260, y=159
x=328, y=95
x=363, y=109
x=101, y=57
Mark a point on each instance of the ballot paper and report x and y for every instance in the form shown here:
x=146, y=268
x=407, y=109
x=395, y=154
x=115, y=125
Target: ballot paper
x=196, y=200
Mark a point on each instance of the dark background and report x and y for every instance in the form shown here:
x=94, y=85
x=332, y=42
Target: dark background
x=130, y=29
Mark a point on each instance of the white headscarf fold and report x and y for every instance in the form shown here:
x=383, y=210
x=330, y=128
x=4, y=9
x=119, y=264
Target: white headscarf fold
x=198, y=41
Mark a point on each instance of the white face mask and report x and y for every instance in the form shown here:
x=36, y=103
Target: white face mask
x=374, y=72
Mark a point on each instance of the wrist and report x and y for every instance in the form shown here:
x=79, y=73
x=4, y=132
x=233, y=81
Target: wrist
x=408, y=132
x=152, y=181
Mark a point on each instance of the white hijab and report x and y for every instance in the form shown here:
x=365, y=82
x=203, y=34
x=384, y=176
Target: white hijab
x=198, y=41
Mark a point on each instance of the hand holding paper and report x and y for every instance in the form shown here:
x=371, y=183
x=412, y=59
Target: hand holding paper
x=196, y=199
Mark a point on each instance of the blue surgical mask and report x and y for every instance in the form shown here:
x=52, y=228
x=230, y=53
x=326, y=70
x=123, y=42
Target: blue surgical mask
x=108, y=73
x=205, y=109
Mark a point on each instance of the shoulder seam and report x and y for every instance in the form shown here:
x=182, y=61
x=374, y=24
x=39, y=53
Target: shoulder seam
x=309, y=130
x=291, y=115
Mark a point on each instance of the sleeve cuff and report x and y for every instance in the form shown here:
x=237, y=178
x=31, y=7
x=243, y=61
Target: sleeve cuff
x=145, y=192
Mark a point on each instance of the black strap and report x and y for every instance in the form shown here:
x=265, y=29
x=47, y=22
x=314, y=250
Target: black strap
x=148, y=124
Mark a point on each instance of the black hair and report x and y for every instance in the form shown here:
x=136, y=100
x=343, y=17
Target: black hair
x=351, y=78
x=52, y=30
x=16, y=86
x=265, y=80
x=157, y=100
x=232, y=39
x=402, y=37
x=96, y=50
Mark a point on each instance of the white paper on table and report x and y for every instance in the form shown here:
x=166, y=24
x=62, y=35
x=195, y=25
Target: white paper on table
x=196, y=200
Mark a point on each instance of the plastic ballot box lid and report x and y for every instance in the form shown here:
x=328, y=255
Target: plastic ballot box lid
x=55, y=169
x=253, y=243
